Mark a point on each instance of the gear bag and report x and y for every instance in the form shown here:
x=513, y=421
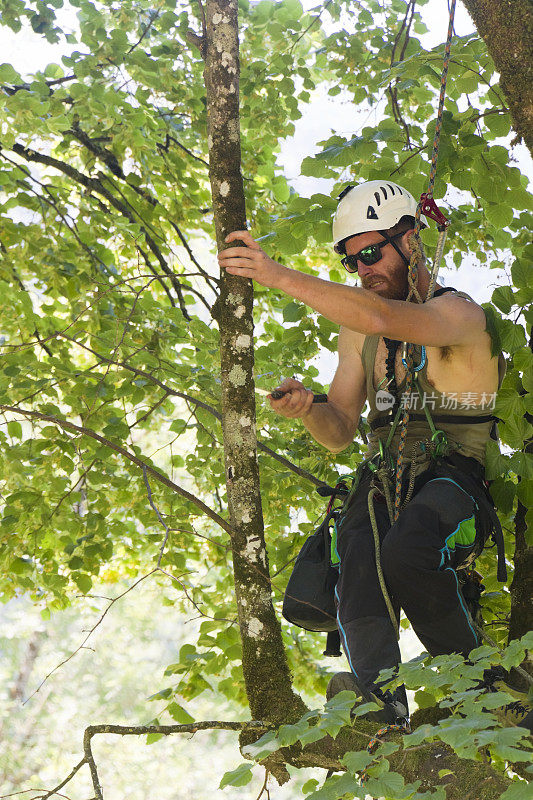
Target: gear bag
x=309, y=599
x=309, y=596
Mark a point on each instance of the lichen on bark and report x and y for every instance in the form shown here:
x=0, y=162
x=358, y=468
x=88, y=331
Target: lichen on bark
x=266, y=672
x=506, y=26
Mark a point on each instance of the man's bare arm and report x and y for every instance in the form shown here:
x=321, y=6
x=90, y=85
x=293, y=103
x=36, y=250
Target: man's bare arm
x=332, y=424
x=443, y=321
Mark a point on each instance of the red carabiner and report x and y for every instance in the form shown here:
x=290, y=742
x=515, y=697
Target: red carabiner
x=429, y=209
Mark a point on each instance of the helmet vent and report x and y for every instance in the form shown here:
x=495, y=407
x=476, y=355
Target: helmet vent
x=378, y=198
x=345, y=192
x=392, y=188
x=370, y=213
x=384, y=191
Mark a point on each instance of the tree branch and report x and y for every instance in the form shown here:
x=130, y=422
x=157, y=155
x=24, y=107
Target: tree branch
x=69, y=777
x=110, y=160
x=195, y=401
x=166, y=146
x=160, y=477
x=95, y=185
x=163, y=730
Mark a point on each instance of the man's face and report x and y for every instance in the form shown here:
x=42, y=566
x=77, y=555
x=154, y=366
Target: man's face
x=388, y=276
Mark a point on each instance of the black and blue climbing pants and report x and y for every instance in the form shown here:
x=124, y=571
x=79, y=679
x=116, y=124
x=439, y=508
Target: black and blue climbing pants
x=420, y=552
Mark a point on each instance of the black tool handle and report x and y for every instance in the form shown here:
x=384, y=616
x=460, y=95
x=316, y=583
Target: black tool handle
x=277, y=394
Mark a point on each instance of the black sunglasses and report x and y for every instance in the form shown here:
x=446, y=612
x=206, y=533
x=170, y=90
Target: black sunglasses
x=371, y=254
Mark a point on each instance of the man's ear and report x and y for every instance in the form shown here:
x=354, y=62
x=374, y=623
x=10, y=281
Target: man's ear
x=407, y=242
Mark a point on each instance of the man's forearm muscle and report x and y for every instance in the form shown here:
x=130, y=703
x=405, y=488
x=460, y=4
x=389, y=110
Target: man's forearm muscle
x=329, y=426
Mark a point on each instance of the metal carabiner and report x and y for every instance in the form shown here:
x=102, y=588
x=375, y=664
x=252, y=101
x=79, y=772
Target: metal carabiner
x=422, y=360
x=441, y=441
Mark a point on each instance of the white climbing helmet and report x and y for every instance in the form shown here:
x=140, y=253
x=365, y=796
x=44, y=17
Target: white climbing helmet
x=371, y=206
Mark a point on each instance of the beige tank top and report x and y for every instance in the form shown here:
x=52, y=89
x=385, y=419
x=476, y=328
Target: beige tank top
x=468, y=439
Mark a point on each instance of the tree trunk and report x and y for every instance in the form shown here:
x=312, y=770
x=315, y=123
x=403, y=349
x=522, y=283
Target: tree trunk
x=522, y=586
x=506, y=26
x=266, y=673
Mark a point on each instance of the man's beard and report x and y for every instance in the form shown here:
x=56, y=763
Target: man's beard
x=394, y=285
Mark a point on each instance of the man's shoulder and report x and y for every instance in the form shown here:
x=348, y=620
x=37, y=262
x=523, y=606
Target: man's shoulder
x=459, y=307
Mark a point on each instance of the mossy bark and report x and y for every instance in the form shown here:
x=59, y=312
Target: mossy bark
x=266, y=672
x=467, y=779
x=506, y=26
x=522, y=585
x=521, y=621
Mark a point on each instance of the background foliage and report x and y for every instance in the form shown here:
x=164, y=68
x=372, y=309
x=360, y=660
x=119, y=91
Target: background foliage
x=108, y=283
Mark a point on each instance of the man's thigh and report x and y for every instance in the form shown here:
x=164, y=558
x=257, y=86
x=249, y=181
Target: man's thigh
x=358, y=584
x=437, y=528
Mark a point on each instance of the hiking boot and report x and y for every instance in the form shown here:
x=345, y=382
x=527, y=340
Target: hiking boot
x=392, y=705
x=520, y=711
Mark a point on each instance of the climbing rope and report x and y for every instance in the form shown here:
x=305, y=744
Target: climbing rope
x=372, y=513
x=426, y=204
x=400, y=727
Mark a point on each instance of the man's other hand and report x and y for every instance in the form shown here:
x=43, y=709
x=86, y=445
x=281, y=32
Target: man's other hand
x=249, y=261
x=296, y=403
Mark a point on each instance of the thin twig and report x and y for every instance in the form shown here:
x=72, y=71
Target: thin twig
x=264, y=786
x=163, y=730
x=87, y=637
x=60, y=785
x=161, y=520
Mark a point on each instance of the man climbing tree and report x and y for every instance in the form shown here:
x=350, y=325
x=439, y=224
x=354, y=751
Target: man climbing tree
x=446, y=513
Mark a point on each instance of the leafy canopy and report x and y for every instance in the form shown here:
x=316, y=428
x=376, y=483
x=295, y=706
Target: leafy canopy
x=108, y=282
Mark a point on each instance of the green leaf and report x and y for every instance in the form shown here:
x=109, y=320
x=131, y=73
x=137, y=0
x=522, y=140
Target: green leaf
x=502, y=297
x=424, y=699
x=525, y=492
x=492, y=327
x=178, y=426
x=498, y=124
x=422, y=733
x=519, y=790
x=356, y=762
x=513, y=336
x=522, y=464
x=240, y=776
x=515, y=431
x=508, y=404
x=338, y=786
x=9, y=75
x=522, y=273
x=14, y=428
x=496, y=464
x=388, y=784
x=179, y=714
x=503, y=493
x=267, y=744
x=293, y=312
x=82, y=581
